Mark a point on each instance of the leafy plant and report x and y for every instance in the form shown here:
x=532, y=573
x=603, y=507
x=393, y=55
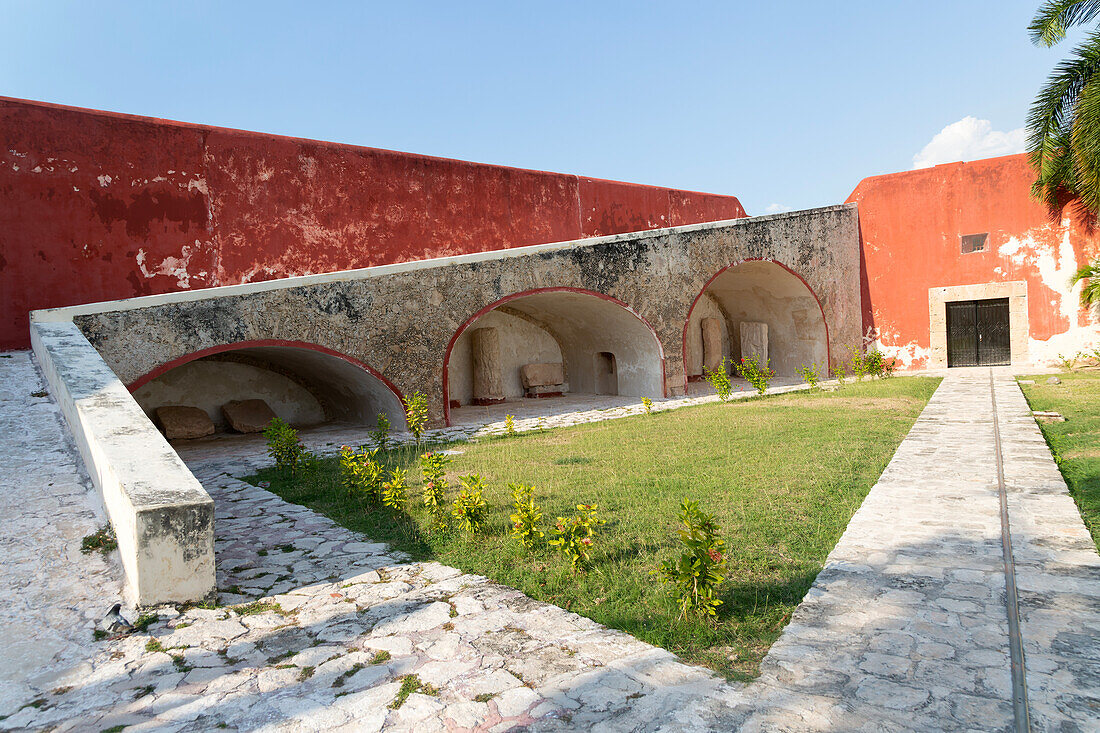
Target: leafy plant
x=381, y=433
x=361, y=473
x=809, y=373
x=647, y=405
x=755, y=373
x=876, y=364
x=510, y=424
x=719, y=379
x=416, y=414
x=573, y=537
x=395, y=491
x=858, y=363
x=525, y=518
x=841, y=372
x=433, y=467
x=283, y=445
x=698, y=572
x=470, y=506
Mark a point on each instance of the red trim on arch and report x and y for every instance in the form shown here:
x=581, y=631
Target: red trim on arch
x=180, y=361
x=828, y=347
x=522, y=293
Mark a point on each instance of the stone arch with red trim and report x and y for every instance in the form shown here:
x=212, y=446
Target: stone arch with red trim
x=402, y=319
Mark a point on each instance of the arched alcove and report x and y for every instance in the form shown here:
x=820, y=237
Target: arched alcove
x=758, y=292
x=303, y=384
x=603, y=347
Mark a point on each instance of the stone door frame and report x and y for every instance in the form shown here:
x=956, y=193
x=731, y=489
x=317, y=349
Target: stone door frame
x=1018, y=326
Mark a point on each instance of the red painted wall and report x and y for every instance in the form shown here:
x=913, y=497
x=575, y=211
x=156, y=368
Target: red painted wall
x=910, y=225
x=100, y=206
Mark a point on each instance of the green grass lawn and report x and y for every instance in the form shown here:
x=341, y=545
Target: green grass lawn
x=1075, y=443
x=783, y=474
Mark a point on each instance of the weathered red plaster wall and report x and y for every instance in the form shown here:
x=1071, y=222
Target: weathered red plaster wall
x=910, y=227
x=99, y=206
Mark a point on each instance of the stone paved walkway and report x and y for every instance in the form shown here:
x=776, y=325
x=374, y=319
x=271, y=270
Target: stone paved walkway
x=905, y=629
x=52, y=593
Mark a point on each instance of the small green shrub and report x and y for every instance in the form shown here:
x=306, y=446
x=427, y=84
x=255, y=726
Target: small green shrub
x=470, y=506
x=510, y=424
x=841, y=373
x=103, y=540
x=858, y=363
x=395, y=491
x=432, y=467
x=381, y=433
x=284, y=446
x=416, y=414
x=876, y=364
x=755, y=373
x=810, y=374
x=525, y=518
x=573, y=537
x=647, y=405
x=698, y=572
x=361, y=474
x=719, y=379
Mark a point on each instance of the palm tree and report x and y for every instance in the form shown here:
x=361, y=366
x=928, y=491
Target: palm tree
x=1090, y=273
x=1064, y=121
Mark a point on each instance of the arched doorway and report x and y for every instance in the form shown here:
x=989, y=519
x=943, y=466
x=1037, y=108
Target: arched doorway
x=756, y=306
x=551, y=342
x=304, y=384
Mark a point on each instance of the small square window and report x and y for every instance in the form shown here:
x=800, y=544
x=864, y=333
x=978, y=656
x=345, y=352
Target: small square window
x=972, y=243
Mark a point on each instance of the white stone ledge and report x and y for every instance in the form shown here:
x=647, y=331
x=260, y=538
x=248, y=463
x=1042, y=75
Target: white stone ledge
x=161, y=515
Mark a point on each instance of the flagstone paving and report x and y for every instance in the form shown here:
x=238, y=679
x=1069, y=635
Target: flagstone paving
x=318, y=627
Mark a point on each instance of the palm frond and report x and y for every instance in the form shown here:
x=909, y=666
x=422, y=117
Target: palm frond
x=1055, y=17
x=1064, y=128
x=1090, y=273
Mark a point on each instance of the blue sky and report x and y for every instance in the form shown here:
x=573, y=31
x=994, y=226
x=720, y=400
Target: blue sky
x=785, y=105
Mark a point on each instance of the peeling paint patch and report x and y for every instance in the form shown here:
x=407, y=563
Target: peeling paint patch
x=1055, y=267
x=170, y=266
x=910, y=355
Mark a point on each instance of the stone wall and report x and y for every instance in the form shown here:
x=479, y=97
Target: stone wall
x=401, y=319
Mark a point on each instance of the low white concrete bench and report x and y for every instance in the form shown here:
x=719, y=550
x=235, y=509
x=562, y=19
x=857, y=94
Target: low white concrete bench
x=162, y=517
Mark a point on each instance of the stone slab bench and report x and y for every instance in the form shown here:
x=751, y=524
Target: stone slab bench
x=162, y=517
x=542, y=380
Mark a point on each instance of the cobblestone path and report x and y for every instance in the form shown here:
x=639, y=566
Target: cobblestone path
x=905, y=629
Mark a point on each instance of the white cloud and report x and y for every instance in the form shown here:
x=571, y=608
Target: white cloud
x=969, y=139
x=776, y=209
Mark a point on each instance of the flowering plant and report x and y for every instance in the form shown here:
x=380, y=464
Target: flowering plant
x=573, y=537
x=755, y=373
x=698, y=572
